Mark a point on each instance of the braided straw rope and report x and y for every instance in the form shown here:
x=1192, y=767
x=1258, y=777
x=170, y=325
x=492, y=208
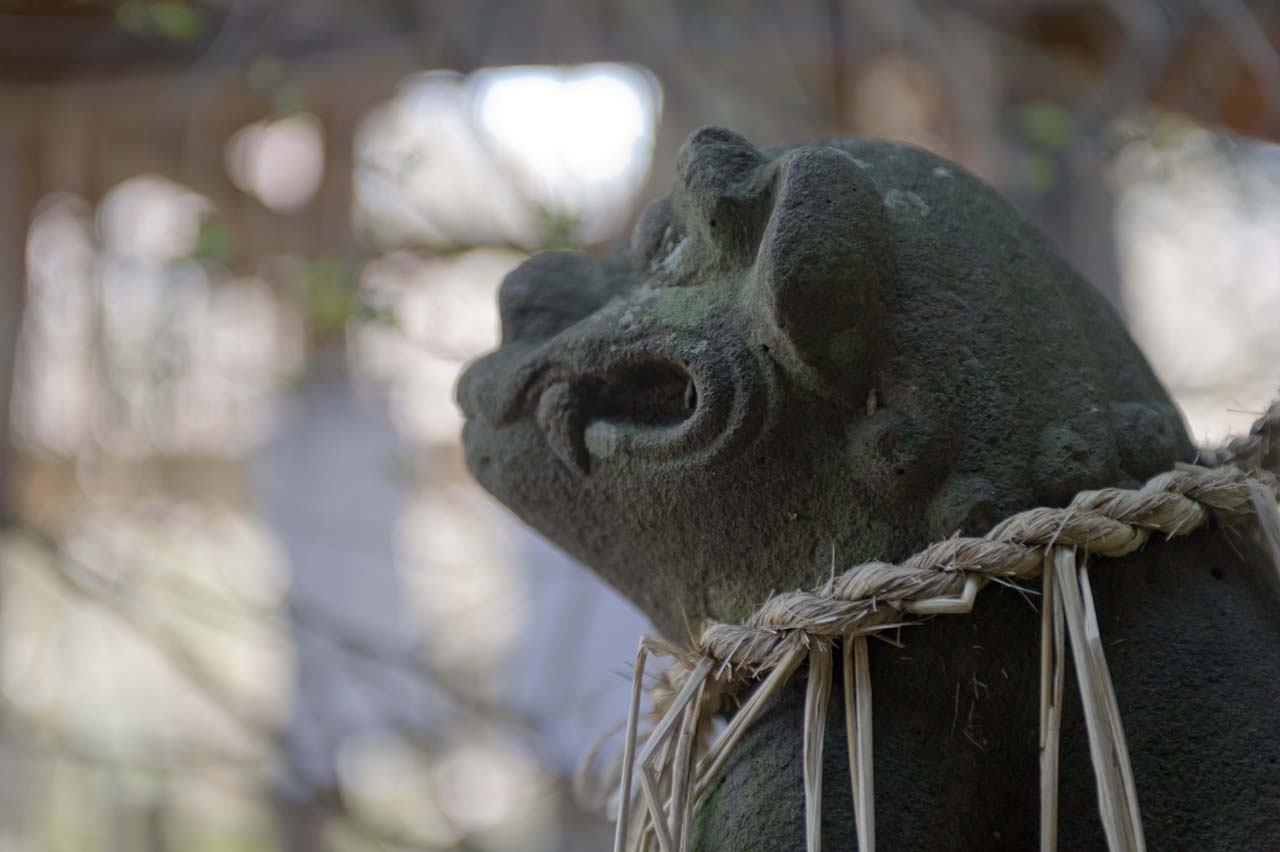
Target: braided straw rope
x=676, y=766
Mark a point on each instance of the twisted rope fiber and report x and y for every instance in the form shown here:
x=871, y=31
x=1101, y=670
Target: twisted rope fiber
x=1110, y=522
x=1238, y=483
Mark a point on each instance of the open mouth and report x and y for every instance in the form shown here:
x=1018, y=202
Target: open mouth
x=652, y=400
x=675, y=399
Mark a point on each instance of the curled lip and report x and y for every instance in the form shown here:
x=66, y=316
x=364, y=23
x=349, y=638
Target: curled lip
x=674, y=400
x=561, y=418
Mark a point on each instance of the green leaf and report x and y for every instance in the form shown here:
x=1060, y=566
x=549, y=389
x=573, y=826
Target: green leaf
x=1046, y=123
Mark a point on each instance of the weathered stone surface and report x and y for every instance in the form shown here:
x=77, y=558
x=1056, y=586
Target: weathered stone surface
x=854, y=345
x=858, y=345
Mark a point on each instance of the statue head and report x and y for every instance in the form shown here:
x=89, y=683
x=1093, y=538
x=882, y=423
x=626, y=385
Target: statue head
x=818, y=354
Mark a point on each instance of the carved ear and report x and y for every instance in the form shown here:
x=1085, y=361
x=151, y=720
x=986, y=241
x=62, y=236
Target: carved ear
x=723, y=189
x=824, y=265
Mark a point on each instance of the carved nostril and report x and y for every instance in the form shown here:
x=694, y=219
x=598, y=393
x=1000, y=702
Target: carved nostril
x=649, y=395
x=652, y=393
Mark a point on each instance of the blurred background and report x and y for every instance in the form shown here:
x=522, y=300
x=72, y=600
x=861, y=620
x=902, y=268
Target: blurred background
x=249, y=599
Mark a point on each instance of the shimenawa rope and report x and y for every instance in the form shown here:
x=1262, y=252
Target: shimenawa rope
x=675, y=764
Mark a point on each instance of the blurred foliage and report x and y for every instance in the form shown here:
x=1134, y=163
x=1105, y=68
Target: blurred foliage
x=559, y=232
x=171, y=19
x=374, y=314
x=1044, y=123
x=1046, y=129
x=268, y=77
x=1037, y=172
x=329, y=299
x=215, y=243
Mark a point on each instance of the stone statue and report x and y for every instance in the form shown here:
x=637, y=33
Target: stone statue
x=824, y=354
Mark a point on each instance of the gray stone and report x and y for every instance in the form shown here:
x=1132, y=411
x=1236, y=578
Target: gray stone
x=853, y=345
x=856, y=347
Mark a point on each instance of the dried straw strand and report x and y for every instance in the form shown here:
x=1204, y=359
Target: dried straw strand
x=1052, y=671
x=857, y=720
x=1264, y=508
x=653, y=798
x=1117, y=798
x=719, y=752
x=629, y=751
x=1120, y=754
x=815, y=729
x=681, y=768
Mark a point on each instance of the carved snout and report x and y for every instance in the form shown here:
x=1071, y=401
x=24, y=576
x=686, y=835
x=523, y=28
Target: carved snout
x=657, y=399
x=538, y=301
x=822, y=273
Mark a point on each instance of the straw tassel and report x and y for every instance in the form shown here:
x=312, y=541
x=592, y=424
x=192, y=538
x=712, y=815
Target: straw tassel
x=857, y=721
x=815, y=728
